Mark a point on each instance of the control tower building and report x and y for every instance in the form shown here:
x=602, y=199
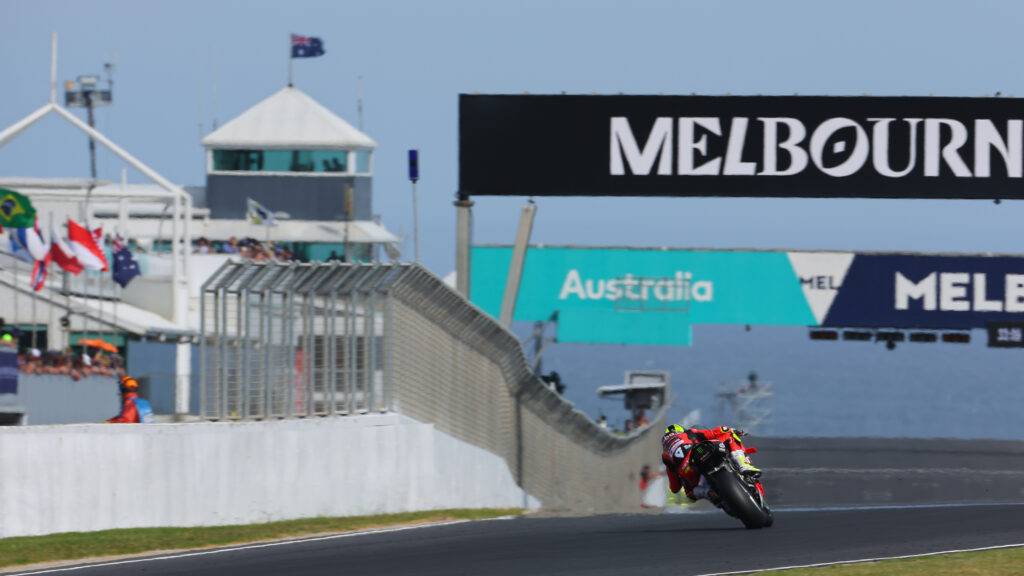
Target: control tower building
x=290, y=154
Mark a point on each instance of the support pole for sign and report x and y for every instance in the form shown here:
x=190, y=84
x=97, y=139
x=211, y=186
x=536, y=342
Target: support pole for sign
x=415, y=223
x=414, y=176
x=463, y=236
x=515, y=267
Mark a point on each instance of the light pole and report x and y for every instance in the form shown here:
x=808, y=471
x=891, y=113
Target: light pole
x=89, y=96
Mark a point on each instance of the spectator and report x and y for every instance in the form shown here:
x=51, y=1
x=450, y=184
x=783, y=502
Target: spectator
x=639, y=419
x=646, y=478
x=752, y=384
x=602, y=421
x=33, y=362
x=554, y=381
x=249, y=248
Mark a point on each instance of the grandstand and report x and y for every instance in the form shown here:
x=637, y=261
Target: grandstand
x=286, y=180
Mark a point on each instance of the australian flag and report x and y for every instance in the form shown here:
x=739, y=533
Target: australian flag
x=125, y=267
x=306, y=46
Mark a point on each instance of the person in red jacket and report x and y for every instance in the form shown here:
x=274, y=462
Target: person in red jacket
x=129, y=395
x=678, y=440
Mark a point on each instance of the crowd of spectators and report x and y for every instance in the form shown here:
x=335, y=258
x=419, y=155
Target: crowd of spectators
x=246, y=248
x=70, y=363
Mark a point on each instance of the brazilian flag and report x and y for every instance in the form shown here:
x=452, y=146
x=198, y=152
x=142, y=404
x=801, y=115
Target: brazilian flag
x=16, y=210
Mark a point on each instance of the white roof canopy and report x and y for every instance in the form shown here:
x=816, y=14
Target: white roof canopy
x=288, y=119
x=358, y=231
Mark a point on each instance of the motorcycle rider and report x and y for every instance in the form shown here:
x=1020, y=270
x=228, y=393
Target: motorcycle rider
x=677, y=441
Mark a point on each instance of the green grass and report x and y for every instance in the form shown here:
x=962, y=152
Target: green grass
x=78, y=545
x=1003, y=562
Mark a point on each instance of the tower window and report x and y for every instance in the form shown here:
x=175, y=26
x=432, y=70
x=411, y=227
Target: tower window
x=322, y=161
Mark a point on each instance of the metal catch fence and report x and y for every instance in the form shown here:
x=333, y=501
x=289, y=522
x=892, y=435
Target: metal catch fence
x=302, y=340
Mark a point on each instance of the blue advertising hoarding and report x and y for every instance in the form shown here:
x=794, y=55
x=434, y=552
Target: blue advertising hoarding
x=918, y=291
x=8, y=371
x=656, y=296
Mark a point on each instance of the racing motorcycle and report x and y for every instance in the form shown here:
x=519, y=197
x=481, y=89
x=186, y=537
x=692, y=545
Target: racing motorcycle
x=738, y=496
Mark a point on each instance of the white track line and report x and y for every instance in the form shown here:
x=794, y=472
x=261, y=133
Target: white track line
x=861, y=560
x=871, y=507
x=246, y=547
x=861, y=508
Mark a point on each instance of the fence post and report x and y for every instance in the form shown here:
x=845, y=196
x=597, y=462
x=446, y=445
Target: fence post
x=332, y=349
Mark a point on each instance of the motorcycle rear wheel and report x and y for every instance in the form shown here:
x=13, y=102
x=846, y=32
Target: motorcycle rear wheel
x=740, y=502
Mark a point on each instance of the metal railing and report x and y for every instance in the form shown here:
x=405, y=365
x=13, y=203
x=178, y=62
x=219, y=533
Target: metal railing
x=319, y=339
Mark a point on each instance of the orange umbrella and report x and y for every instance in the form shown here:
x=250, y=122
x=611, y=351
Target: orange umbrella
x=97, y=343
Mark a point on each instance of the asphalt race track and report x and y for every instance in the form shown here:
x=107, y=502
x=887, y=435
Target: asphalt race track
x=677, y=544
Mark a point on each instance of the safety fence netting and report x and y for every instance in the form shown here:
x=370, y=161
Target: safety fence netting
x=302, y=340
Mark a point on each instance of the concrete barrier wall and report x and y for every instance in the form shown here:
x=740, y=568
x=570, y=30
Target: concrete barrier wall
x=873, y=471
x=96, y=477
x=452, y=365
x=56, y=399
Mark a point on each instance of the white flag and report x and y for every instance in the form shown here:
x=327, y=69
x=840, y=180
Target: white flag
x=258, y=213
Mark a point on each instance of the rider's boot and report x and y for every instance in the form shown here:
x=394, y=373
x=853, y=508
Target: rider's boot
x=700, y=491
x=743, y=463
x=703, y=491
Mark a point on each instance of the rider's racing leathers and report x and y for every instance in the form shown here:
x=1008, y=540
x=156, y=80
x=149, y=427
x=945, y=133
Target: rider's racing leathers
x=676, y=446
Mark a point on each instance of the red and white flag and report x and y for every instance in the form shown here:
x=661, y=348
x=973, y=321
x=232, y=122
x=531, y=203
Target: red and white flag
x=62, y=253
x=84, y=245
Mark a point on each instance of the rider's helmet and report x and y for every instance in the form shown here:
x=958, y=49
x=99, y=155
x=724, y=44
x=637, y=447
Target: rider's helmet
x=129, y=384
x=674, y=429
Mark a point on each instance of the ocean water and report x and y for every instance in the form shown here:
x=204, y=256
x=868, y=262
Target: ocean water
x=820, y=388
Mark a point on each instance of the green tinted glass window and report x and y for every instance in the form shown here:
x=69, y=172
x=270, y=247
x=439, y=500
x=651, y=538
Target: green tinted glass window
x=237, y=160
x=362, y=161
x=281, y=160
x=330, y=160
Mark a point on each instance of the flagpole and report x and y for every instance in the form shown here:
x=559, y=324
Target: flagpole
x=290, y=60
x=100, y=281
x=14, y=283
x=49, y=310
x=66, y=286
x=34, y=326
x=117, y=300
x=89, y=295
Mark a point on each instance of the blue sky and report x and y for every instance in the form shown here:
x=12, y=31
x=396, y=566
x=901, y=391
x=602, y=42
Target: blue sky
x=181, y=64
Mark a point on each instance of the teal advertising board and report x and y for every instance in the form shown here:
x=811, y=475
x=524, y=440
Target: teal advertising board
x=642, y=296
x=656, y=296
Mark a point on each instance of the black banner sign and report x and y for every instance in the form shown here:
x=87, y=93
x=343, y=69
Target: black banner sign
x=752, y=146
x=1006, y=334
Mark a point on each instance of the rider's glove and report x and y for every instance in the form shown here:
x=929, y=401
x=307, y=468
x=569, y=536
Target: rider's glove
x=739, y=432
